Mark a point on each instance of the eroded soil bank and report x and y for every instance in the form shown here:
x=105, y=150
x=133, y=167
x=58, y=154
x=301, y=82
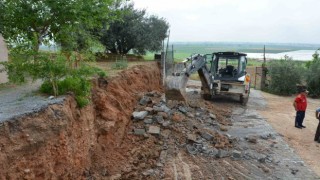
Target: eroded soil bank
x=65, y=142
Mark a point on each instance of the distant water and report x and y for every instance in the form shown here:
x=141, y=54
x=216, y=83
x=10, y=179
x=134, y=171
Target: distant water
x=302, y=55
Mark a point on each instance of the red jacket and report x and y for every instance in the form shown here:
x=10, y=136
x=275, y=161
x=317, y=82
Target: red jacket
x=301, y=102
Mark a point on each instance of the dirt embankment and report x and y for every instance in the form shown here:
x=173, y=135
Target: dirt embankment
x=65, y=142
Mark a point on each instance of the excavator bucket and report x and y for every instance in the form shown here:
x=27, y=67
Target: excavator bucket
x=175, y=88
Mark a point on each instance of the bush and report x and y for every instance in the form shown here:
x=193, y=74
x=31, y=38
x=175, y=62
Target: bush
x=313, y=75
x=58, y=77
x=285, y=74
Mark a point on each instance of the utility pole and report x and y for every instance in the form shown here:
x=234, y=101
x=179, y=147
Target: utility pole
x=264, y=70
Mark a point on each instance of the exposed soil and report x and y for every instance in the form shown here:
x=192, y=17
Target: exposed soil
x=131, y=131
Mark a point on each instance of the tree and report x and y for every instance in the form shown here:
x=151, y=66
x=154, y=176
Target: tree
x=33, y=22
x=133, y=30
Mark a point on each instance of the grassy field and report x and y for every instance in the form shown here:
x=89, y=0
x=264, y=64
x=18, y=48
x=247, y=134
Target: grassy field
x=185, y=49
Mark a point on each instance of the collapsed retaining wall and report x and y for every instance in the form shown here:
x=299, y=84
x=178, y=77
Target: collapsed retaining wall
x=66, y=142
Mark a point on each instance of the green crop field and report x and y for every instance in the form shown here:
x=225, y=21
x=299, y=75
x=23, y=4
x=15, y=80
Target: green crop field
x=183, y=50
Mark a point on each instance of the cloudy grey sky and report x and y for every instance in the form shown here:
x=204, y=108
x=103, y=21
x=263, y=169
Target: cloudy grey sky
x=284, y=21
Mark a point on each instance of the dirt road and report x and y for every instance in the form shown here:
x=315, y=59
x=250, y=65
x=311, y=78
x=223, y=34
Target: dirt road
x=280, y=113
x=259, y=151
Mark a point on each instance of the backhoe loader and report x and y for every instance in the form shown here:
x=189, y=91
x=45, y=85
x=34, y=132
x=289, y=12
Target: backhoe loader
x=221, y=73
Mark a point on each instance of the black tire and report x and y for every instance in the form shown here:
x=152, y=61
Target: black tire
x=206, y=97
x=243, y=100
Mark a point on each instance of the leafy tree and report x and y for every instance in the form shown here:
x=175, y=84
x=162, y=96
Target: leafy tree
x=285, y=74
x=133, y=30
x=313, y=75
x=33, y=22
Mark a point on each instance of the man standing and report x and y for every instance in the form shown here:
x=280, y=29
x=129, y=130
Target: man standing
x=300, y=105
x=316, y=137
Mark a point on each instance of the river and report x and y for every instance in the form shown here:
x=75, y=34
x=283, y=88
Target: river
x=301, y=55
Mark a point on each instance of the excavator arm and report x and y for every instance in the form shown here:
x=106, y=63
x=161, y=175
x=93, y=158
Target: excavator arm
x=176, y=85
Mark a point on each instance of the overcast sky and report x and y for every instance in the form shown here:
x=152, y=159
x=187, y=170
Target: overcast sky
x=284, y=21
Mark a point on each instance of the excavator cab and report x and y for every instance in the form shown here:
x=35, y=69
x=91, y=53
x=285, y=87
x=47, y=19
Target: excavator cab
x=228, y=66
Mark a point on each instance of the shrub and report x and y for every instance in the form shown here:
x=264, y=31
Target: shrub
x=285, y=74
x=313, y=75
x=58, y=77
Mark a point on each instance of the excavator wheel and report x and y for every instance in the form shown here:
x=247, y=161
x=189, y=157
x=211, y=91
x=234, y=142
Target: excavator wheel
x=244, y=100
x=207, y=97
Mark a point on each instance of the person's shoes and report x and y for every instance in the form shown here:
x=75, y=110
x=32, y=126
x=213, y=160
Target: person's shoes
x=302, y=126
x=298, y=127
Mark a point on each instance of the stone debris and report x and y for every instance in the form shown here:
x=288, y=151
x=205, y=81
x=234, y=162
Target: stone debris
x=212, y=116
x=139, y=131
x=148, y=121
x=252, y=139
x=206, y=136
x=155, y=130
x=139, y=115
x=158, y=119
x=236, y=154
x=145, y=100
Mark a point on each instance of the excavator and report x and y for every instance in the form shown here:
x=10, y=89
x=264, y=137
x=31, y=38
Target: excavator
x=221, y=73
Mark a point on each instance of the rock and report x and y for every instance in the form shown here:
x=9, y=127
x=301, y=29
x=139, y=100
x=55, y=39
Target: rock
x=153, y=94
x=163, y=156
x=208, y=121
x=236, y=154
x=192, y=150
x=51, y=97
x=166, y=123
x=159, y=165
x=163, y=114
x=190, y=115
x=144, y=100
x=27, y=170
x=222, y=153
x=192, y=137
x=155, y=130
x=149, y=109
x=165, y=133
x=138, y=131
x=294, y=171
x=206, y=136
x=139, y=115
x=262, y=159
x=223, y=128
x=182, y=109
x=213, y=152
x=158, y=119
x=162, y=108
x=177, y=117
x=212, y=116
x=198, y=114
x=265, y=169
x=148, y=121
x=148, y=172
x=252, y=139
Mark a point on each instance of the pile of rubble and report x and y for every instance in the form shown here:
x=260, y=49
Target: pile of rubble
x=194, y=128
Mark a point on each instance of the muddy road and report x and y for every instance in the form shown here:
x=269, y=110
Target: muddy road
x=259, y=151
x=280, y=114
